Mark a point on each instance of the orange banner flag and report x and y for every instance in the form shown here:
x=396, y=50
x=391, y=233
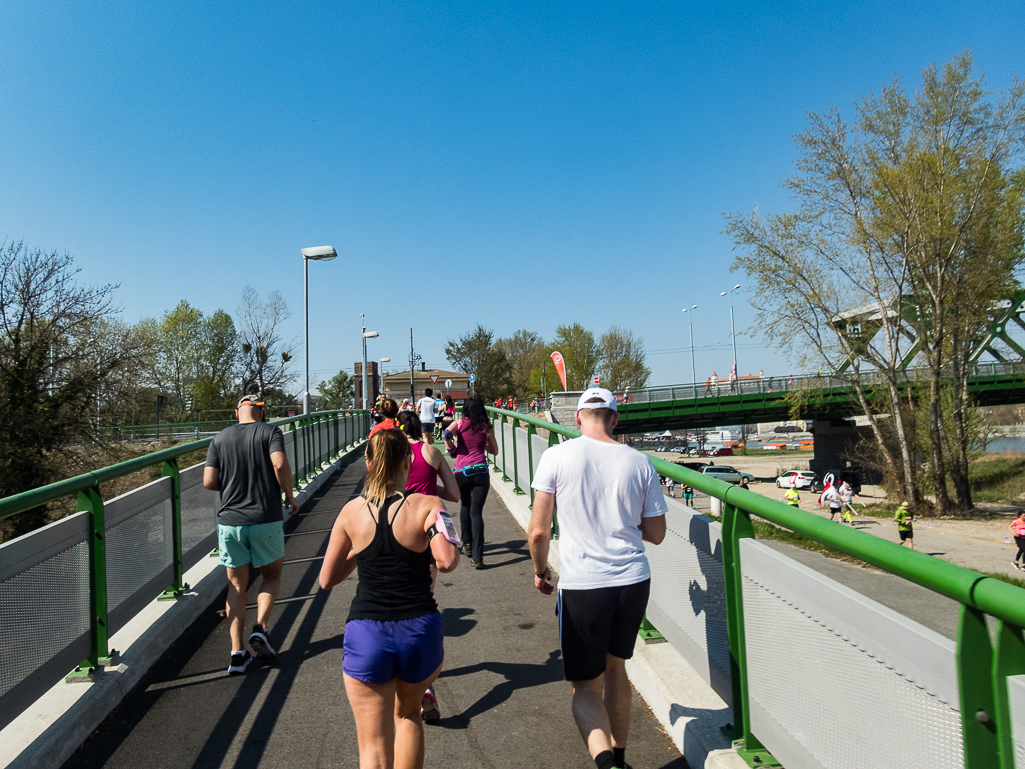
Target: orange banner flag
x=560, y=366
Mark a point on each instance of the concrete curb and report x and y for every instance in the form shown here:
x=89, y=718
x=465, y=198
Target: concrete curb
x=688, y=709
x=53, y=728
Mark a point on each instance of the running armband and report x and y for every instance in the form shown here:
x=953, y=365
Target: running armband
x=444, y=525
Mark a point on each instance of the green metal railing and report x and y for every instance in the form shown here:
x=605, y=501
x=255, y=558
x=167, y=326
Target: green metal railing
x=983, y=664
x=90, y=500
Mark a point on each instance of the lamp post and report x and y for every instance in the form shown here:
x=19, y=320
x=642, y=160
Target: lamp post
x=733, y=329
x=380, y=374
x=693, y=374
x=366, y=335
x=317, y=254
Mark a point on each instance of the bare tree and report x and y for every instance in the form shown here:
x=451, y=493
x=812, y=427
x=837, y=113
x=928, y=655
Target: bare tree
x=621, y=360
x=265, y=355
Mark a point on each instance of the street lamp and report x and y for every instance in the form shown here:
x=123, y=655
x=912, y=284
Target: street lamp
x=366, y=335
x=317, y=254
x=380, y=373
x=733, y=329
x=693, y=375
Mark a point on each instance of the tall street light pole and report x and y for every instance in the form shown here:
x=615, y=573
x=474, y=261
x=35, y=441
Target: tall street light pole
x=733, y=329
x=693, y=375
x=380, y=374
x=317, y=254
x=366, y=335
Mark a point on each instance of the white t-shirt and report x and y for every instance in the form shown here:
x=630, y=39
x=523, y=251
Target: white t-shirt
x=602, y=490
x=426, y=408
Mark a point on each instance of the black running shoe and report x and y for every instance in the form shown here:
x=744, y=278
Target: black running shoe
x=260, y=645
x=239, y=662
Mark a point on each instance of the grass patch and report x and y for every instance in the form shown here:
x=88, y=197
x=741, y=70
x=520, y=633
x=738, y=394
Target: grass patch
x=766, y=530
x=1016, y=581
x=998, y=478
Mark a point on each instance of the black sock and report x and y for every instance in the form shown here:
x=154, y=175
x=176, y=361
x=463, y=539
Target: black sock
x=620, y=754
x=605, y=760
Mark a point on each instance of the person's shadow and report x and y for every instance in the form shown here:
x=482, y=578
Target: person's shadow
x=517, y=676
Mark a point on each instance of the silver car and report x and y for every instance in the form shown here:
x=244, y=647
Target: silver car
x=726, y=473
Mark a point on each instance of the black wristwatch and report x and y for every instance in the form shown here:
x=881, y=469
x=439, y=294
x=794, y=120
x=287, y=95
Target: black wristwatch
x=543, y=574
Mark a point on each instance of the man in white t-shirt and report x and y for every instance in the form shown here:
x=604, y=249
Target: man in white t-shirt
x=425, y=408
x=610, y=502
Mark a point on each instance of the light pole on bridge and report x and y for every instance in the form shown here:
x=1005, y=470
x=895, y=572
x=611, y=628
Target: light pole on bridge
x=693, y=374
x=733, y=329
x=366, y=335
x=318, y=254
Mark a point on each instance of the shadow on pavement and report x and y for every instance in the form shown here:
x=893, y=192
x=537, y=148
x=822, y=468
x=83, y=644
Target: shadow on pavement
x=517, y=676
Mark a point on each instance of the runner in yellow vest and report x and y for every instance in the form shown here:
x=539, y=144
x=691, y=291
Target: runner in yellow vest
x=793, y=498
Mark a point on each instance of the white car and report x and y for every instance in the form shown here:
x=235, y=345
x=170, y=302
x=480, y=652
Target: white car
x=796, y=479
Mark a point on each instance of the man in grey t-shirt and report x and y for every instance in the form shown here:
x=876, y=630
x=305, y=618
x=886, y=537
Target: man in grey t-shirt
x=247, y=464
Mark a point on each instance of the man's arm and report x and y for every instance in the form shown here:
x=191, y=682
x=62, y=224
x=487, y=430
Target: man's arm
x=539, y=539
x=211, y=478
x=283, y=472
x=653, y=529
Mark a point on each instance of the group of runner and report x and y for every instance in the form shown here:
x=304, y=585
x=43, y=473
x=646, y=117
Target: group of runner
x=398, y=534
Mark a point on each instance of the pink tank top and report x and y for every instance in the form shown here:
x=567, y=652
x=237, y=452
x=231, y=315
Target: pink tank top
x=423, y=476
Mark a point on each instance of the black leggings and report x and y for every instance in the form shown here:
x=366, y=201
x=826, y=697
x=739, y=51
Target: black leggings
x=1020, y=542
x=473, y=491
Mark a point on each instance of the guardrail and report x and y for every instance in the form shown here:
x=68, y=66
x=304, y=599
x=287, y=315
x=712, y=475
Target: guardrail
x=807, y=655
x=67, y=587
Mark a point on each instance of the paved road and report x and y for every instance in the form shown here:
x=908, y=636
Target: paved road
x=504, y=703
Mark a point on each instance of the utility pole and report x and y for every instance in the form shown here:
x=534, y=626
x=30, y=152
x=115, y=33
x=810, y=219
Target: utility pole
x=413, y=360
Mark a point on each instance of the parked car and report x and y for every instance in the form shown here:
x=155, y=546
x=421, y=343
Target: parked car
x=726, y=473
x=725, y=451
x=797, y=479
x=694, y=453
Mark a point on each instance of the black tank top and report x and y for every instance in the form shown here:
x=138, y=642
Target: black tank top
x=394, y=582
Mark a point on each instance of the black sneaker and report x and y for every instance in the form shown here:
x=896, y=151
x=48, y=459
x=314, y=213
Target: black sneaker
x=239, y=662
x=260, y=645
x=465, y=550
x=477, y=564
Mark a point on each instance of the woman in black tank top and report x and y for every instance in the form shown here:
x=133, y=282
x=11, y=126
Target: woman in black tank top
x=393, y=635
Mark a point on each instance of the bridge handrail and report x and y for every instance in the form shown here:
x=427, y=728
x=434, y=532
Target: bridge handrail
x=26, y=500
x=984, y=667
x=987, y=594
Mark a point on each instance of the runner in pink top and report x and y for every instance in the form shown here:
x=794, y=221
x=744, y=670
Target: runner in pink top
x=1017, y=528
x=467, y=440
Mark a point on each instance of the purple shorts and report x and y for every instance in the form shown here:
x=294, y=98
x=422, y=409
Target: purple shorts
x=410, y=649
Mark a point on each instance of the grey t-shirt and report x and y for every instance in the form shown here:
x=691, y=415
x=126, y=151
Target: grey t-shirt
x=250, y=492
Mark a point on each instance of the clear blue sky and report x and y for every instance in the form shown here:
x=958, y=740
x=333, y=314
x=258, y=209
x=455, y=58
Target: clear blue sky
x=532, y=163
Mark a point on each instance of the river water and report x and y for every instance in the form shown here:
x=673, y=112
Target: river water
x=1010, y=445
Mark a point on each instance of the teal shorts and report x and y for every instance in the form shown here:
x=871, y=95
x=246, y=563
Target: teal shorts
x=258, y=544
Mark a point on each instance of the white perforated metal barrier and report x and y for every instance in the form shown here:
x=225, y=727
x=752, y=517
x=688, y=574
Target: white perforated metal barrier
x=688, y=598
x=839, y=681
x=1016, y=699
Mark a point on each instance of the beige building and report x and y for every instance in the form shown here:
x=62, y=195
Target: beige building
x=397, y=385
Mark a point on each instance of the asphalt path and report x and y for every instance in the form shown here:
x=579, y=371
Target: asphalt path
x=503, y=700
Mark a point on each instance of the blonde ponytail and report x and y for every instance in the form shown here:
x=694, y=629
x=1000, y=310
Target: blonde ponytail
x=385, y=451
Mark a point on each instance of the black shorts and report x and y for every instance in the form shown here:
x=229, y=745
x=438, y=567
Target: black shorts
x=597, y=622
x=909, y=534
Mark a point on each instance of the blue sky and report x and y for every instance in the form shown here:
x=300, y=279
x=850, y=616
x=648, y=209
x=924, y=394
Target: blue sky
x=518, y=164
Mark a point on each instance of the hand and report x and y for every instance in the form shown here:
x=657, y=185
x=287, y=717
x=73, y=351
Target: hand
x=292, y=505
x=543, y=583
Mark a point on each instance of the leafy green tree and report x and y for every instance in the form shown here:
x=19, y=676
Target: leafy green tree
x=337, y=392
x=579, y=351
x=912, y=213
x=52, y=366
x=526, y=352
x=477, y=353
x=621, y=360
x=219, y=362
x=179, y=342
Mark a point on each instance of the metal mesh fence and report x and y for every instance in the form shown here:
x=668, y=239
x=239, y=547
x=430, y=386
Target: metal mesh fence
x=828, y=688
x=1016, y=698
x=44, y=603
x=199, y=516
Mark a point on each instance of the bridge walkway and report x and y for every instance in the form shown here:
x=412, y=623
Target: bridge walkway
x=503, y=700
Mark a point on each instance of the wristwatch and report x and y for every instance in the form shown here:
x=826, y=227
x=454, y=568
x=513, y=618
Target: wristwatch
x=544, y=573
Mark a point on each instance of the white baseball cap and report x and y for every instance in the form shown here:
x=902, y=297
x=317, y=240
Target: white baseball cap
x=608, y=400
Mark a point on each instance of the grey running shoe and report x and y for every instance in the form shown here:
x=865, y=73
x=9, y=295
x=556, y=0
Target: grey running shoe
x=261, y=646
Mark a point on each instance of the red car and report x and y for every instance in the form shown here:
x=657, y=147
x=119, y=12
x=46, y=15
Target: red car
x=723, y=452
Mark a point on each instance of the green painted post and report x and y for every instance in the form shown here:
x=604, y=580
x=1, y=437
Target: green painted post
x=1009, y=660
x=516, y=465
x=531, y=432
x=99, y=655
x=505, y=462
x=178, y=587
x=494, y=429
x=553, y=440
x=736, y=525
x=975, y=665
x=338, y=438
x=295, y=454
